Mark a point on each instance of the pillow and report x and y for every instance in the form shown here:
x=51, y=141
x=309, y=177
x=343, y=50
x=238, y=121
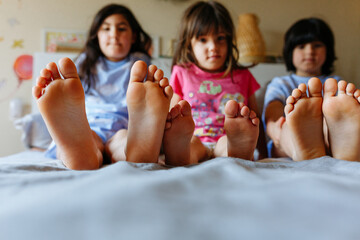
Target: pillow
x=35, y=133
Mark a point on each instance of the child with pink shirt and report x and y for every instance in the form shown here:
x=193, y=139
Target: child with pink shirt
x=208, y=82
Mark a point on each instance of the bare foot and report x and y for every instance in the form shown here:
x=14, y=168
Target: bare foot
x=177, y=136
x=304, y=122
x=62, y=105
x=242, y=130
x=148, y=105
x=342, y=115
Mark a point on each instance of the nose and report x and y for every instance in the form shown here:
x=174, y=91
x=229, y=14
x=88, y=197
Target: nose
x=212, y=45
x=309, y=48
x=113, y=32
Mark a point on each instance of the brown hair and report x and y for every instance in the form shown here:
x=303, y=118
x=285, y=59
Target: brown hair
x=92, y=51
x=201, y=18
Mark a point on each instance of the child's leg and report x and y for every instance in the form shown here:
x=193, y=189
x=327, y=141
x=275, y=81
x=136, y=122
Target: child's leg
x=180, y=147
x=115, y=146
x=242, y=132
x=148, y=105
x=342, y=115
x=276, y=149
x=62, y=105
x=302, y=135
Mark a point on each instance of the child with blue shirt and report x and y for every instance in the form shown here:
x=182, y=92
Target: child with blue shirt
x=115, y=41
x=308, y=52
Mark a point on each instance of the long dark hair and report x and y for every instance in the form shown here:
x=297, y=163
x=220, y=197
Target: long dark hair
x=305, y=31
x=92, y=51
x=200, y=19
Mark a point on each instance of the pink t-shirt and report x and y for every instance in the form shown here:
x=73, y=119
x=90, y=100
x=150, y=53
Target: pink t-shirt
x=208, y=93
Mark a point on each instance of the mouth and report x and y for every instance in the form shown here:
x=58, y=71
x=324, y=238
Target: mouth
x=114, y=44
x=214, y=57
x=309, y=60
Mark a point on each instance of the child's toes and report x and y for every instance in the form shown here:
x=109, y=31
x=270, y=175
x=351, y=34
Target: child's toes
x=164, y=82
x=342, y=87
x=45, y=73
x=41, y=82
x=231, y=108
x=350, y=89
x=168, y=91
x=245, y=112
x=158, y=75
x=52, y=68
x=151, y=72
x=37, y=92
x=68, y=68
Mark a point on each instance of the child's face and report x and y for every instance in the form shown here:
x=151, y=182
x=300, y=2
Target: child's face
x=210, y=51
x=115, y=37
x=308, y=58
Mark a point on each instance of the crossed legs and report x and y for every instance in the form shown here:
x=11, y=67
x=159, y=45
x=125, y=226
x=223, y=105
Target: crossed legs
x=61, y=102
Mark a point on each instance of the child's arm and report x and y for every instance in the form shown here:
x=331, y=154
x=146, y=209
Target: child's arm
x=274, y=118
x=261, y=144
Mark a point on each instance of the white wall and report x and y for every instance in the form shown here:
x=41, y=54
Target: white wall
x=25, y=19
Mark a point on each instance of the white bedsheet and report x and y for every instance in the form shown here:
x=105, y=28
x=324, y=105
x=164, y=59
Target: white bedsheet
x=224, y=198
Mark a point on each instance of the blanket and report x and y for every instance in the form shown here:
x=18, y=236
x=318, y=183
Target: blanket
x=223, y=198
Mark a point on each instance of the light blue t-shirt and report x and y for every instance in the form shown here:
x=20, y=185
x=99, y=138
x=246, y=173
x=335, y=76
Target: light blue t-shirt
x=105, y=102
x=280, y=88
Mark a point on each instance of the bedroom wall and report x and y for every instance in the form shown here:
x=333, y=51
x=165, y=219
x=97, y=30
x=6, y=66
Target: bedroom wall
x=22, y=22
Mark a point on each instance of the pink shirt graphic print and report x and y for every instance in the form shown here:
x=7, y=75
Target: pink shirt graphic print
x=208, y=93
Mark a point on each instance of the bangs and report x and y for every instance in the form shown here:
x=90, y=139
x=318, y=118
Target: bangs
x=207, y=20
x=204, y=26
x=307, y=33
x=303, y=38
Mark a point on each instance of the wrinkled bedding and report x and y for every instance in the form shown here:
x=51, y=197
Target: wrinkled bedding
x=223, y=198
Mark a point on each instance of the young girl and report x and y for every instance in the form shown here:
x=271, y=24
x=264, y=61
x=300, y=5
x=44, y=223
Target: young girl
x=308, y=52
x=206, y=74
x=115, y=41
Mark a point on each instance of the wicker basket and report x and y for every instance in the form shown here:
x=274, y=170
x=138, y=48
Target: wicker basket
x=250, y=42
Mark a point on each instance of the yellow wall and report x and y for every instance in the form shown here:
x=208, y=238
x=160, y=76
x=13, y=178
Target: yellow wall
x=24, y=20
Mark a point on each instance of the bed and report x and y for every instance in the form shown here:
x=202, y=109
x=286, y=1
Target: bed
x=223, y=198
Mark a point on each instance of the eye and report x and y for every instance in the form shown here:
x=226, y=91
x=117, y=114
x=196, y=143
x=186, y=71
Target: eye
x=300, y=46
x=221, y=38
x=104, y=28
x=318, y=45
x=122, y=29
x=202, y=39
